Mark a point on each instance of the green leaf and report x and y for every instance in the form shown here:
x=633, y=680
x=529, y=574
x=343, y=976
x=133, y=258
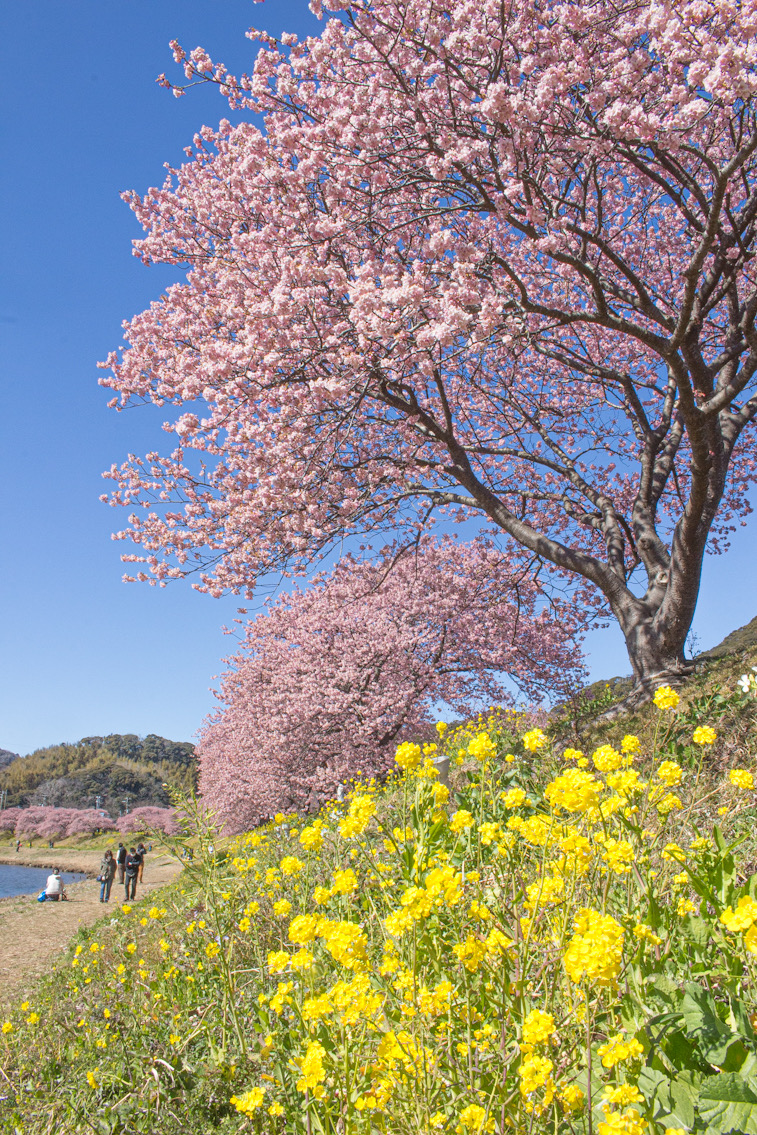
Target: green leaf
x=703, y=1025
x=682, y=1052
x=664, y=987
x=728, y=1103
x=697, y=930
x=672, y=1100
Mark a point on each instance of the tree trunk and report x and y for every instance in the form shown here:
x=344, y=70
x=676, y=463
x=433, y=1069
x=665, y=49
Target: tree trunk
x=656, y=652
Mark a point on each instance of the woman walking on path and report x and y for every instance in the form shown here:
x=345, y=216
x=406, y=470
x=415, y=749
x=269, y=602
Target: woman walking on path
x=107, y=875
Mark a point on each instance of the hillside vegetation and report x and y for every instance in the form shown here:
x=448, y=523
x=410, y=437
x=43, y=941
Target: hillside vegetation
x=565, y=942
x=114, y=768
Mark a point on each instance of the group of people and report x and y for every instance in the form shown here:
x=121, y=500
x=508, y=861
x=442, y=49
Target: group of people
x=128, y=865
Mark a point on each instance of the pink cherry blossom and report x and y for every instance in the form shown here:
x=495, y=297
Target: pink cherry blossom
x=473, y=262
x=147, y=819
x=331, y=678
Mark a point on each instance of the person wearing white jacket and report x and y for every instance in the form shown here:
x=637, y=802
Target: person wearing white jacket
x=54, y=886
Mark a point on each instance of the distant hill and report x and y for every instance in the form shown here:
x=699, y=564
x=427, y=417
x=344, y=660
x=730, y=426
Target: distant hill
x=6, y=756
x=124, y=771
x=741, y=639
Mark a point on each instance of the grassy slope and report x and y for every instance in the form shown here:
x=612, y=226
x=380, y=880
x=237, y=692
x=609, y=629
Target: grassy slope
x=185, y=1030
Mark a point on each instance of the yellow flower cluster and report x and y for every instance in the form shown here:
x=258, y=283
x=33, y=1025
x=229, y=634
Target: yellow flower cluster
x=482, y=748
x=533, y=740
x=618, y=1050
x=665, y=698
x=362, y=809
x=595, y=952
x=574, y=791
x=249, y=1103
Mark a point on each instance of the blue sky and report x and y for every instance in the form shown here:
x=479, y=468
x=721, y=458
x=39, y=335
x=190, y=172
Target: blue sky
x=80, y=652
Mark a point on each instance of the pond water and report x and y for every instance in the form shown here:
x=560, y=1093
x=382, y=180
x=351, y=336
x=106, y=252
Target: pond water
x=27, y=880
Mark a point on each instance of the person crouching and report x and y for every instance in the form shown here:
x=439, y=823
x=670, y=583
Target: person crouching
x=54, y=887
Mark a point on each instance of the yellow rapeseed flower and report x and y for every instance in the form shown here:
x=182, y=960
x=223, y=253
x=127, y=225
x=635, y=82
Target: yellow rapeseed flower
x=408, y=756
x=622, y=1123
x=291, y=865
x=665, y=698
x=534, y=740
x=538, y=1027
x=574, y=791
x=742, y=917
x=513, y=798
x=534, y=1072
x=473, y=1118
x=249, y=1102
x=607, y=759
x=670, y=773
x=312, y=1069
x=461, y=820
x=596, y=949
x=618, y=1049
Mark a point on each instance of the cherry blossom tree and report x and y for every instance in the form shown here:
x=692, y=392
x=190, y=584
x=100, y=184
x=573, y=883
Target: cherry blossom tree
x=9, y=817
x=88, y=821
x=148, y=818
x=30, y=820
x=493, y=262
x=55, y=823
x=332, y=677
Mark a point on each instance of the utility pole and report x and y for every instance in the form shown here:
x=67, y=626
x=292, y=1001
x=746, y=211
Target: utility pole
x=3, y=798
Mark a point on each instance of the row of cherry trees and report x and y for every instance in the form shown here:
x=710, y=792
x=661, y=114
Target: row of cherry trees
x=333, y=676
x=54, y=824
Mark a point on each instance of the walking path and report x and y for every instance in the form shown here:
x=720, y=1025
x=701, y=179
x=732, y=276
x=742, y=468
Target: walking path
x=33, y=934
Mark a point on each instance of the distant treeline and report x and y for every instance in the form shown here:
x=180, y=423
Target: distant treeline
x=122, y=770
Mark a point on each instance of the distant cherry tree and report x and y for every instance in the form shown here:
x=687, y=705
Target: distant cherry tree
x=9, y=817
x=149, y=818
x=54, y=825
x=89, y=821
x=332, y=677
x=31, y=819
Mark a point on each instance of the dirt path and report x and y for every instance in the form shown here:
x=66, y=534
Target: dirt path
x=33, y=934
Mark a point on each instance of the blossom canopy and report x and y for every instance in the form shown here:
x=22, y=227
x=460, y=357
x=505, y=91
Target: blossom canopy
x=480, y=261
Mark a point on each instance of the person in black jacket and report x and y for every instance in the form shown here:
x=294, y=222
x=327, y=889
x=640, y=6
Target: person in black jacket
x=131, y=870
x=121, y=861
